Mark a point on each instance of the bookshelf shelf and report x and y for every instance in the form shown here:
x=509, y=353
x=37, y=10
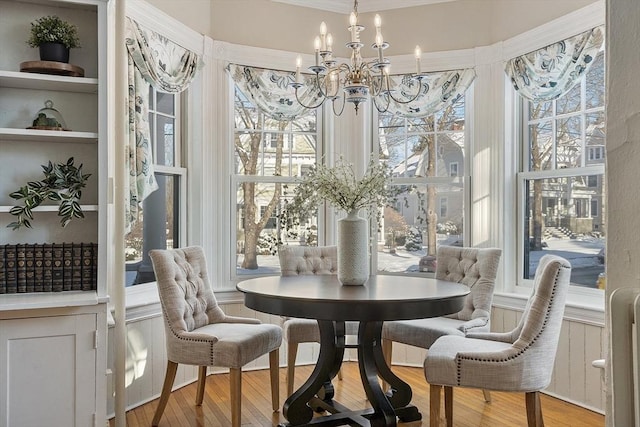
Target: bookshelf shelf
x=33, y=135
x=20, y=80
x=51, y=208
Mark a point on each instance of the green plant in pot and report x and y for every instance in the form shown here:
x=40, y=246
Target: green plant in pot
x=54, y=37
x=62, y=183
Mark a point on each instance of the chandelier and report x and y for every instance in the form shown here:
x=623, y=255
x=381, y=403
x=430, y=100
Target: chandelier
x=354, y=82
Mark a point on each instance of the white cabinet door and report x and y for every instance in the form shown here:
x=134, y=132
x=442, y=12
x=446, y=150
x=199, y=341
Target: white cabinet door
x=47, y=371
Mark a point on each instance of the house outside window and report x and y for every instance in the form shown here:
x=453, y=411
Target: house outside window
x=419, y=152
x=269, y=155
x=561, y=183
x=159, y=218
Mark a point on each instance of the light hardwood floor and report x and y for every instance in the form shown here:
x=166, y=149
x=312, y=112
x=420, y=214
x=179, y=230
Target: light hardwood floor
x=469, y=407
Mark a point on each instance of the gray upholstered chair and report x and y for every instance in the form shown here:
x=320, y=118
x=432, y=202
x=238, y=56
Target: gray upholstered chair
x=306, y=260
x=199, y=333
x=520, y=360
x=474, y=267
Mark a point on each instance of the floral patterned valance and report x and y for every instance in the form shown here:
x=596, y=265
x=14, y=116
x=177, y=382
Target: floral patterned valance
x=152, y=60
x=270, y=90
x=437, y=90
x=550, y=72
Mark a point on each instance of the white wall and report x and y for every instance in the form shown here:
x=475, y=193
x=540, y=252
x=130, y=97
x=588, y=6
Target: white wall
x=623, y=150
x=442, y=26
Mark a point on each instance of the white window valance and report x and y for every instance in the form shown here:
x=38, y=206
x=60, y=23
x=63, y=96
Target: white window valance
x=152, y=60
x=269, y=90
x=437, y=91
x=550, y=72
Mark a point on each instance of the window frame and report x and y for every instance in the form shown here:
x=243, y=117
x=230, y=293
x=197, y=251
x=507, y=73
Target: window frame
x=237, y=179
x=179, y=172
x=583, y=295
x=463, y=179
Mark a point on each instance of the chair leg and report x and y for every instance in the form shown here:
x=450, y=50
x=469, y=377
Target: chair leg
x=202, y=380
x=434, y=405
x=170, y=375
x=340, y=374
x=292, y=352
x=448, y=405
x=387, y=350
x=487, y=395
x=236, y=396
x=534, y=409
x=274, y=371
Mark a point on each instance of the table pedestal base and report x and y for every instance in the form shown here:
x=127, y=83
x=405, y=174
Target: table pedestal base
x=317, y=392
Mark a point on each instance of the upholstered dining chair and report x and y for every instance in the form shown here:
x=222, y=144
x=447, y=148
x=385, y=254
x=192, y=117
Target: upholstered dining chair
x=475, y=267
x=306, y=260
x=519, y=360
x=199, y=333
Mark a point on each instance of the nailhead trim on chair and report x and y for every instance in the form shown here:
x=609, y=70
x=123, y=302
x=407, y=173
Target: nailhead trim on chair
x=173, y=332
x=459, y=358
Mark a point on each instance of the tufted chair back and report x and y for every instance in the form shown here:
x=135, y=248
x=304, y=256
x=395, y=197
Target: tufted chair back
x=186, y=297
x=475, y=267
x=308, y=260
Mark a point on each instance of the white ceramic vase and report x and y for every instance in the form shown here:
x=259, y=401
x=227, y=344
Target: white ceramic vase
x=353, y=257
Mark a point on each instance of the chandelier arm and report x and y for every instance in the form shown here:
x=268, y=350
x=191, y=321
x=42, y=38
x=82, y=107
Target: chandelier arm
x=333, y=105
x=308, y=106
x=319, y=84
x=375, y=104
x=399, y=101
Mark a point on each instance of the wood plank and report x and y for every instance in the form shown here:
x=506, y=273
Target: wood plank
x=469, y=407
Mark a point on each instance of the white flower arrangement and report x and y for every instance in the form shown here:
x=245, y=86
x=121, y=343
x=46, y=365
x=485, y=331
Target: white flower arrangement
x=339, y=186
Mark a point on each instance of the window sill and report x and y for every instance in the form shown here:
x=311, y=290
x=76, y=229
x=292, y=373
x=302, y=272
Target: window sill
x=578, y=308
x=143, y=301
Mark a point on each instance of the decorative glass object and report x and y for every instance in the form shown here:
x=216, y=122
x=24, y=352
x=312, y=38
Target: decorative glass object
x=48, y=118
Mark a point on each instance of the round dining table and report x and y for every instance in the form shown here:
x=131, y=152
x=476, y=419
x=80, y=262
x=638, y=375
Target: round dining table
x=323, y=298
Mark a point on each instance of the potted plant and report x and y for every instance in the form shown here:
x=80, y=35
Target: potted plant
x=54, y=37
x=62, y=183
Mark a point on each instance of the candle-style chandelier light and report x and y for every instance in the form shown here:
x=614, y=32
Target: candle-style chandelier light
x=358, y=79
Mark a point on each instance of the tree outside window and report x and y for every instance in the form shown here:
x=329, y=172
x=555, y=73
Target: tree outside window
x=269, y=155
x=420, y=153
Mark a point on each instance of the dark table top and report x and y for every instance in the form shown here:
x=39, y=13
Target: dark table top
x=382, y=297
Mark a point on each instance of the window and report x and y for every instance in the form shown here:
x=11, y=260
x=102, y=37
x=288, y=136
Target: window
x=453, y=169
x=561, y=180
x=427, y=157
x=269, y=155
x=158, y=224
x=444, y=204
x=596, y=153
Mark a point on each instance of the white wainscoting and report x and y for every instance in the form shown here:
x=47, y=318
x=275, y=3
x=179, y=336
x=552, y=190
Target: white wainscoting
x=574, y=378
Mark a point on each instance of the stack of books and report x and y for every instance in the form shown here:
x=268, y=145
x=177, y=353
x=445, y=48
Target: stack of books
x=48, y=267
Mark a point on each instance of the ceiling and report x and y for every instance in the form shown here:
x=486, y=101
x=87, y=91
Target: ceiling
x=346, y=6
